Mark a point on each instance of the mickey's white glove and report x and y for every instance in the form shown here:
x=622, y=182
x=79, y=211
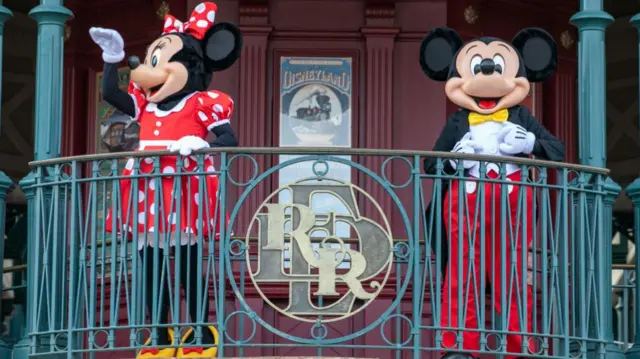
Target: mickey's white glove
x=188, y=144
x=467, y=146
x=110, y=42
x=515, y=140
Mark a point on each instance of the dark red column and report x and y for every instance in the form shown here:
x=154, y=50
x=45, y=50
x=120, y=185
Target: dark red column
x=560, y=107
x=376, y=131
x=252, y=105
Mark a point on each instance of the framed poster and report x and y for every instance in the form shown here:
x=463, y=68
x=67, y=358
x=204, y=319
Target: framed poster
x=315, y=101
x=315, y=109
x=109, y=122
x=315, y=106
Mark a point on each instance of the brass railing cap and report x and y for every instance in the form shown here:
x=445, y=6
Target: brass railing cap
x=328, y=151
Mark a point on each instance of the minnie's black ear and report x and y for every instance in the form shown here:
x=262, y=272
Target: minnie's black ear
x=222, y=46
x=539, y=53
x=437, y=52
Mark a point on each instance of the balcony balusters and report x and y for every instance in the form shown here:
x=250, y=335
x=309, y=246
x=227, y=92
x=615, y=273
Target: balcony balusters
x=5, y=185
x=633, y=192
x=5, y=182
x=98, y=281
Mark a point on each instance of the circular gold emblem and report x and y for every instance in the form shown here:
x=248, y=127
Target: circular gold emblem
x=313, y=239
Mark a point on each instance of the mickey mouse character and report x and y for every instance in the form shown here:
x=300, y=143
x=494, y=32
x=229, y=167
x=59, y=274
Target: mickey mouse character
x=168, y=96
x=488, y=78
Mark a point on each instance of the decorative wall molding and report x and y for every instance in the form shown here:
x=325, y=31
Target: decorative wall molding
x=256, y=14
x=379, y=15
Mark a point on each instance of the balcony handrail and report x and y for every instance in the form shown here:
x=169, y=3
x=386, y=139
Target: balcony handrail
x=105, y=283
x=328, y=151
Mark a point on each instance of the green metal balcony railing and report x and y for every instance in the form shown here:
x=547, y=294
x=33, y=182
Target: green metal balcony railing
x=333, y=252
x=624, y=309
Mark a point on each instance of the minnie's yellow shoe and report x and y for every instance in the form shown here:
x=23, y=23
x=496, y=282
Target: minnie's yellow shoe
x=158, y=353
x=202, y=352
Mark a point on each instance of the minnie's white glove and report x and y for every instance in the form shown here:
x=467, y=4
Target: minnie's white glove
x=467, y=146
x=110, y=42
x=188, y=144
x=515, y=140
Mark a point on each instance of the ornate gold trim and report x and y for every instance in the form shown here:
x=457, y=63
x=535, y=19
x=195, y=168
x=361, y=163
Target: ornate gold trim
x=67, y=32
x=369, y=266
x=163, y=9
x=566, y=39
x=470, y=15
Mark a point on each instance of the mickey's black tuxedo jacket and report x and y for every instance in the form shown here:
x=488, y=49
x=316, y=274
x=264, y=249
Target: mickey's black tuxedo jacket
x=546, y=147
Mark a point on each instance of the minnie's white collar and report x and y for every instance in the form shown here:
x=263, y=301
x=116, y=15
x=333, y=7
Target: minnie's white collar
x=153, y=107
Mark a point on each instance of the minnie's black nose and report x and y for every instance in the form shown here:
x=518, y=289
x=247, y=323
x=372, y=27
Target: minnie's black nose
x=487, y=66
x=133, y=62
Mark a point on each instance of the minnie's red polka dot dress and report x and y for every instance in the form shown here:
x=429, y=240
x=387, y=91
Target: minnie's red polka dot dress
x=154, y=205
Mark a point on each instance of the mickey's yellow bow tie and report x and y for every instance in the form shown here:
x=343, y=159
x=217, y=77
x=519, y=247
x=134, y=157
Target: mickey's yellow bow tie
x=498, y=116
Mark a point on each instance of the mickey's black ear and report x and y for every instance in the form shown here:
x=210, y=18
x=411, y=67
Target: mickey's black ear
x=437, y=51
x=222, y=46
x=539, y=53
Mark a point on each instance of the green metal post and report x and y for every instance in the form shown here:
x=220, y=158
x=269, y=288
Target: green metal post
x=604, y=261
x=51, y=16
x=5, y=185
x=591, y=22
x=5, y=182
x=23, y=347
x=633, y=192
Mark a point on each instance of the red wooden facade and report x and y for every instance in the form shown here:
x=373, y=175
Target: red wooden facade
x=397, y=105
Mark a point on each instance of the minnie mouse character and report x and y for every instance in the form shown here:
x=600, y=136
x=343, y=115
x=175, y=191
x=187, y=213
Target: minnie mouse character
x=168, y=96
x=488, y=78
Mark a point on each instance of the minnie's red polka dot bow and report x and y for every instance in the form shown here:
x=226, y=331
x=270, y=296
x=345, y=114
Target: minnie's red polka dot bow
x=201, y=20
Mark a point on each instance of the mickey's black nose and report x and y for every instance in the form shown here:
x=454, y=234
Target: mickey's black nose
x=487, y=66
x=133, y=62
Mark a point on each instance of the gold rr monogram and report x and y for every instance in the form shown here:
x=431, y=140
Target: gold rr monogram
x=297, y=225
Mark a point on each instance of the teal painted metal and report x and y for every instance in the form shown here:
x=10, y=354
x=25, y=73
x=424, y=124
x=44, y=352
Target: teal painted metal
x=591, y=22
x=5, y=182
x=22, y=349
x=5, y=185
x=624, y=307
x=105, y=281
x=50, y=16
x=604, y=263
x=633, y=192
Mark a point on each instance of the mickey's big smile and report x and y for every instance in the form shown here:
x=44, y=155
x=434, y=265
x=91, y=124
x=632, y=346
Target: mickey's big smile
x=487, y=103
